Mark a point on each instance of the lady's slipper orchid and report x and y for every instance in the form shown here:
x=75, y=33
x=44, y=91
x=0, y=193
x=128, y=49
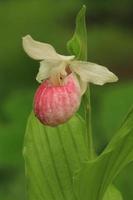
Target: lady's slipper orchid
x=60, y=72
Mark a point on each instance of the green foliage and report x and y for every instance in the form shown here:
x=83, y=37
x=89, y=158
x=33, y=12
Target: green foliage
x=57, y=153
x=52, y=156
x=54, y=163
x=78, y=44
x=110, y=43
x=95, y=176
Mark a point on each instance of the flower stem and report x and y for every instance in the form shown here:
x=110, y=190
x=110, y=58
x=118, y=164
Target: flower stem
x=87, y=110
x=78, y=46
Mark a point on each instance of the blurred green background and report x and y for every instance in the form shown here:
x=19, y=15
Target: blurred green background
x=110, y=43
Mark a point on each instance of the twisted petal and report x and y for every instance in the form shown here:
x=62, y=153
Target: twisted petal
x=44, y=71
x=41, y=51
x=50, y=68
x=83, y=86
x=93, y=73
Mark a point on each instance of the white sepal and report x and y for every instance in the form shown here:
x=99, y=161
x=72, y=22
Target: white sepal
x=93, y=73
x=41, y=51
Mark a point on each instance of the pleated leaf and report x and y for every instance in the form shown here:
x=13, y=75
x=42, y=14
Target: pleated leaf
x=52, y=155
x=95, y=176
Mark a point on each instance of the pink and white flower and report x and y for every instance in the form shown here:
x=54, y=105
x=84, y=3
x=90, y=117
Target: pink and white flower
x=64, y=80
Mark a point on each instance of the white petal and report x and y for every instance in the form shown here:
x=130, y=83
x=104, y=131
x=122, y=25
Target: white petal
x=45, y=70
x=40, y=51
x=50, y=68
x=83, y=86
x=93, y=73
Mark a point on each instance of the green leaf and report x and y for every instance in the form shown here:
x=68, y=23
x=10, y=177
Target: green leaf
x=78, y=44
x=52, y=155
x=112, y=194
x=95, y=176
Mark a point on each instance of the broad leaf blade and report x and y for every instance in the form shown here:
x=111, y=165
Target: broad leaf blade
x=78, y=44
x=52, y=155
x=95, y=176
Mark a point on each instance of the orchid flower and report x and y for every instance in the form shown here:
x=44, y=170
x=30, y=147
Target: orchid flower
x=56, y=67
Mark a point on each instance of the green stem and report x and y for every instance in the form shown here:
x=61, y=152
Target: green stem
x=78, y=46
x=87, y=109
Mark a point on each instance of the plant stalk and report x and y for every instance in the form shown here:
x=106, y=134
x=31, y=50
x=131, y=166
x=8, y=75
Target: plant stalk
x=87, y=110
